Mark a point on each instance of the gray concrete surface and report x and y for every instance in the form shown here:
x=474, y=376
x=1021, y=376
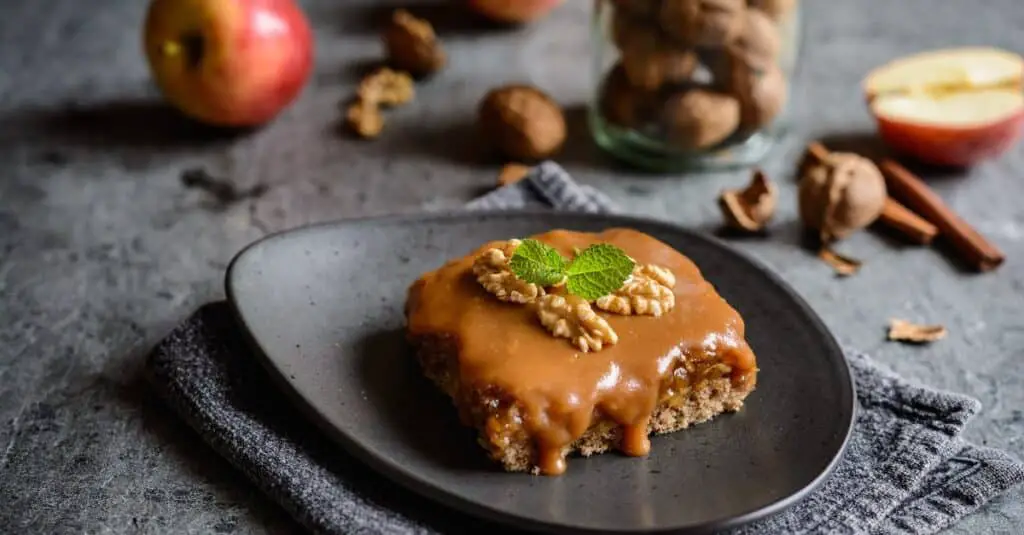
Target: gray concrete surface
x=102, y=250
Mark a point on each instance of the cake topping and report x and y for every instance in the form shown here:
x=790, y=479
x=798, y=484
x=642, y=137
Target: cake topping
x=648, y=291
x=532, y=272
x=493, y=271
x=595, y=271
x=598, y=270
x=572, y=317
x=538, y=263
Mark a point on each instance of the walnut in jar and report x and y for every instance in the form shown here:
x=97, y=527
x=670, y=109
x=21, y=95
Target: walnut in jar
x=621, y=103
x=758, y=42
x=522, y=122
x=645, y=9
x=648, y=59
x=652, y=68
x=700, y=119
x=702, y=22
x=776, y=9
x=762, y=94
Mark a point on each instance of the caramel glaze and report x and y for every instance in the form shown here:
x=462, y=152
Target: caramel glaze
x=560, y=389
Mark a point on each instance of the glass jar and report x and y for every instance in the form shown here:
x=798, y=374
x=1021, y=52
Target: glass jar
x=692, y=84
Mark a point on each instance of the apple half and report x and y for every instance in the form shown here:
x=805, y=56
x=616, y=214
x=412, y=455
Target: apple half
x=949, y=107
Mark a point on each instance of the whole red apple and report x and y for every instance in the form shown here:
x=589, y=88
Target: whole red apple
x=513, y=11
x=232, y=63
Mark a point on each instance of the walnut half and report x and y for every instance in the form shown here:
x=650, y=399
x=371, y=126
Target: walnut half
x=384, y=87
x=365, y=118
x=572, y=317
x=494, y=274
x=647, y=292
x=387, y=87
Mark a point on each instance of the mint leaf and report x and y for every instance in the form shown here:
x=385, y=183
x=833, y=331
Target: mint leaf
x=598, y=270
x=537, y=263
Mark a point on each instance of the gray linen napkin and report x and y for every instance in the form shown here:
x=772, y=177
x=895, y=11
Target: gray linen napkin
x=905, y=471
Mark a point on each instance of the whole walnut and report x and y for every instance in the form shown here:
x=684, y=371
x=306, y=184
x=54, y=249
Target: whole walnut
x=758, y=42
x=522, y=122
x=699, y=119
x=702, y=22
x=621, y=103
x=412, y=46
x=776, y=9
x=762, y=94
x=841, y=195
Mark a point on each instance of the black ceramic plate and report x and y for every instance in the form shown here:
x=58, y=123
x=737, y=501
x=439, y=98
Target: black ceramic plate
x=323, y=306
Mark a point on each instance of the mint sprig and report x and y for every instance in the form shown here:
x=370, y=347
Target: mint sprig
x=538, y=263
x=595, y=271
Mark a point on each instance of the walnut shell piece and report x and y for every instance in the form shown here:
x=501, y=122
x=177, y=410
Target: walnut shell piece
x=905, y=331
x=752, y=207
x=702, y=22
x=699, y=119
x=844, y=266
x=522, y=122
x=412, y=46
x=841, y=195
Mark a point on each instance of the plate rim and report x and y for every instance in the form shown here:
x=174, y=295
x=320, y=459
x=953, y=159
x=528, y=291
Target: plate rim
x=436, y=494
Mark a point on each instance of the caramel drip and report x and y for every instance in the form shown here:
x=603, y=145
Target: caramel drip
x=551, y=460
x=559, y=389
x=635, y=441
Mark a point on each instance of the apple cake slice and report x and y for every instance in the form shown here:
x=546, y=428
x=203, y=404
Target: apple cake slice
x=545, y=357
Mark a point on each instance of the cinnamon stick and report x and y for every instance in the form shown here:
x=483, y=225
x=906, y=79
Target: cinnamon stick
x=817, y=151
x=975, y=250
x=908, y=224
